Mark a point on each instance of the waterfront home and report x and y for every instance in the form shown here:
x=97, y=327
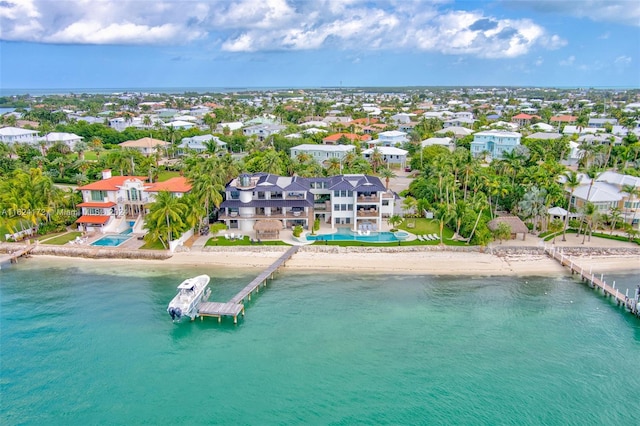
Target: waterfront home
x=358, y=201
x=108, y=205
x=12, y=135
x=147, y=146
x=198, y=144
x=322, y=153
x=494, y=142
x=390, y=155
x=605, y=192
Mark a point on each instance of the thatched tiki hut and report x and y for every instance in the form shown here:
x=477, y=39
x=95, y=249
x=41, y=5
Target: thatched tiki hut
x=268, y=229
x=515, y=223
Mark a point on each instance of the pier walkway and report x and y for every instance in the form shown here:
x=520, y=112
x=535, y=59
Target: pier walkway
x=235, y=306
x=631, y=303
x=13, y=256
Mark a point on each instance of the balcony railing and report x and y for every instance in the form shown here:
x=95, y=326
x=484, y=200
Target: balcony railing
x=367, y=213
x=368, y=199
x=141, y=200
x=288, y=215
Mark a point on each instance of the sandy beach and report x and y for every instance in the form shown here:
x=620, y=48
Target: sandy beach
x=412, y=263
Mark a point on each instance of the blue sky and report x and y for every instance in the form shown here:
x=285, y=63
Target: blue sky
x=311, y=43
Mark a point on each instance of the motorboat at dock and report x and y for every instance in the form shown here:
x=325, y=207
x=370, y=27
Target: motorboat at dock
x=191, y=292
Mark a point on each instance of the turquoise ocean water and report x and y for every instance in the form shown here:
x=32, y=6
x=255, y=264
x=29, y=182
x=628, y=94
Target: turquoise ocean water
x=94, y=345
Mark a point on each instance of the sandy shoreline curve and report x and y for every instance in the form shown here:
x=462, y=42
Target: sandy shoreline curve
x=411, y=263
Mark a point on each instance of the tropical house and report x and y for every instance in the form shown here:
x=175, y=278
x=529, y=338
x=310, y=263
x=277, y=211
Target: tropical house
x=198, y=144
x=390, y=155
x=494, y=142
x=392, y=138
x=69, y=139
x=12, y=135
x=147, y=146
x=322, y=153
x=114, y=202
x=358, y=201
x=335, y=138
x=606, y=192
x=263, y=131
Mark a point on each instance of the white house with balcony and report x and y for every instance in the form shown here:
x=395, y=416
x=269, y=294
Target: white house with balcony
x=494, y=143
x=12, y=135
x=360, y=202
x=110, y=204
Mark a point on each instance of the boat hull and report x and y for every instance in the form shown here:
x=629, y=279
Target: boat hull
x=191, y=292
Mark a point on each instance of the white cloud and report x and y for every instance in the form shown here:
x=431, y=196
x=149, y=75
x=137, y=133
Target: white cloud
x=568, y=62
x=264, y=25
x=623, y=60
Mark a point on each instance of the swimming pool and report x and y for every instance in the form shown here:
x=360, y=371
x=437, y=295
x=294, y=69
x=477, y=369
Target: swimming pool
x=111, y=240
x=348, y=235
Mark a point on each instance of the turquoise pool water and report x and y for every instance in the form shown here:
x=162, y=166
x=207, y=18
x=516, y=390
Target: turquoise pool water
x=111, y=240
x=348, y=235
x=128, y=230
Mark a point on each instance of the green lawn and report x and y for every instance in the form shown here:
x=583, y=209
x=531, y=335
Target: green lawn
x=222, y=241
x=154, y=245
x=422, y=226
x=166, y=175
x=63, y=239
x=88, y=156
x=390, y=244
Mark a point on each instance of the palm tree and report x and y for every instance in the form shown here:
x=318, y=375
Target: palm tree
x=80, y=147
x=533, y=205
x=166, y=213
x=572, y=181
x=616, y=215
x=631, y=192
x=443, y=215
x=554, y=227
x=376, y=159
x=394, y=220
x=334, y=166
x=387, y=174
x=409, y=204
x=589, y=213
x=96, y=145
x=271, y=162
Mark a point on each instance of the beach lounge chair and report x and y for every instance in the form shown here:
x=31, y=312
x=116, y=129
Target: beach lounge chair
x=420, y=238
x=232, y=236
x=226, y=236
x=428, y=237
x=435, y=237
x=359, y=232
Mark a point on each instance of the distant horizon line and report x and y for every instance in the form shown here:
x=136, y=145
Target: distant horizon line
x=40, y=91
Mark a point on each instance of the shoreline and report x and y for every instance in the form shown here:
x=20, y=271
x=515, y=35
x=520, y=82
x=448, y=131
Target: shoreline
x=469, y=262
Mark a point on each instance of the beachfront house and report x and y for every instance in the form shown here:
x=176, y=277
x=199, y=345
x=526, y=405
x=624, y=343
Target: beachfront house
x=606, y=192
x=114, y=202
x=360, y=202
x=494, y=143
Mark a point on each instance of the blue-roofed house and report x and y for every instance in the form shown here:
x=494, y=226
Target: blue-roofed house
x=494, y=142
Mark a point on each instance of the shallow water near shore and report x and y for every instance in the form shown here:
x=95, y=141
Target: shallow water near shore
x=83, y=345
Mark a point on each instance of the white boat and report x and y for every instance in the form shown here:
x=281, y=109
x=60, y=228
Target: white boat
x=191, y=292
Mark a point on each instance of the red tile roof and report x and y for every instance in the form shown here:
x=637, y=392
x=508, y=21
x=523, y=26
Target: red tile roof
x=523, y=116
x=111, y=184
x=100, y=220
x=96, y=204
x=176, y=184
x=350, y=136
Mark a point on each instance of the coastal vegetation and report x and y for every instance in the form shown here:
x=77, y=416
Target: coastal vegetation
x=461, y=192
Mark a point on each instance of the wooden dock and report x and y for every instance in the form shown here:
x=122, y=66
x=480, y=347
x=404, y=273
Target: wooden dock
x=632, y=303
x=13, y=256
x=235, y=306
